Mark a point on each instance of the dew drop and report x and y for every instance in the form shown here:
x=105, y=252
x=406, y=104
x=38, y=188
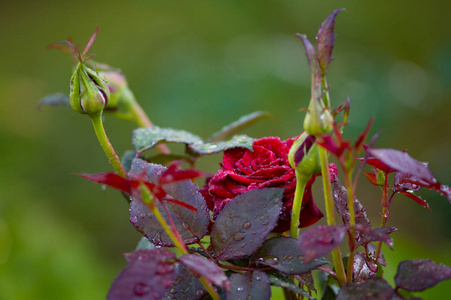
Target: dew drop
x=134, y=219
x=143, y=215
x=258, y=278
x=240, y=289
x=246, y=225
x=141, y=289
x=239, y=236
x=200, y=293
x=173, y=291
x=276, y=201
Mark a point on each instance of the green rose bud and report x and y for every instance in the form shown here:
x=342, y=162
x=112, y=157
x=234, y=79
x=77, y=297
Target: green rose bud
x=89, y=93
x=303, y=155
x=318, y=120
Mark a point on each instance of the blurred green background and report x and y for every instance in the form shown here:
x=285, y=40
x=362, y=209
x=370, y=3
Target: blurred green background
x=198, y=65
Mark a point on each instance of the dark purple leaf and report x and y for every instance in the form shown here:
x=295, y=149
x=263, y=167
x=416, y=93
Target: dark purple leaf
x=341, y=204
x=372, y=249
x=372, y=289
x=283, y=281
x=245, y=222
x=363, y=268
x=320, y=240
x=90, y=42
x=282, y=253
x=418, y=275
x=207, y=269
x=310, y=53
x=147, y=277
x=173, y=174
x=326, y=37
x=402, y=162
x=403, y=182
x=186, y=285
x=374, y=235
x=149, y=254
x=252, y=285
x=190, y=225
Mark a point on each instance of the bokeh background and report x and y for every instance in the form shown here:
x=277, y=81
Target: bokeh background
x=198, y=65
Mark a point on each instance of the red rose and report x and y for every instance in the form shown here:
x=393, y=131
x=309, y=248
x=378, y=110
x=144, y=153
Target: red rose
x=267, y=166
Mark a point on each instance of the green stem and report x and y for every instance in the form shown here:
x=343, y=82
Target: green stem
x=326, y=91
x=148, y=200
x=301, y=182
x=336, y=255
x=106, y=145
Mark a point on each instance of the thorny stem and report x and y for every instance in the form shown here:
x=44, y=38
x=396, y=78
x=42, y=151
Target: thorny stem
x=301, y=182
x=148, y=200
x=384, y=214
x=106, y=145
x=351, y=208
x=336, y=255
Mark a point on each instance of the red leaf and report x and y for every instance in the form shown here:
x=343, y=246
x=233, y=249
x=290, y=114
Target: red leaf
x=173, y=175
x=90, y=42
x=113, y=180
x=181, y=203
x=415, y=198
x=372, y=178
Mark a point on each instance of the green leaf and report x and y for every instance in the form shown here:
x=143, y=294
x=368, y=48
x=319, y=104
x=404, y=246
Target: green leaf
x=144, y=244
x=147, y=138
x=239, y=125
x=282, y=253
x=127, y=158
x=245, y=222
x=242, y=141
x=284, y=281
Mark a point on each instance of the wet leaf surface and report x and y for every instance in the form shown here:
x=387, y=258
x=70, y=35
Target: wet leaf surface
x=282, y=253
x=374, y=289
x=252, y=285
x=283, y=281
x=241, y=141
x=146, y=138
x=186, y=285
x=207, y=269
x=320, y=240
x=245, y=222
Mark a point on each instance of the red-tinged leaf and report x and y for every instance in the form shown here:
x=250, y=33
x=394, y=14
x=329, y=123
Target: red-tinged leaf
x=148, y=278
x=181, y=203
x=64, y=46
x=446, y=190
x=334, y=147
x=374, y=288
x=418, y=275
x=310, y=53
x=416, y=198
x=363, y=268
x=113, y=180
x=326, y=37
x=203, y=267
x=402, y=162
x=372, y=178
x=251, y=285
x=374, y=235
x=173, y=175
x=320, y=240
x=359, y=143
x=90, y=42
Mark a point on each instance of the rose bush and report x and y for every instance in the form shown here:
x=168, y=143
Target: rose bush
x=266, y=166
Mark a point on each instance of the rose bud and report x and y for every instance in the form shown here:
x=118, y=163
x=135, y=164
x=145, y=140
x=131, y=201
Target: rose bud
x=318, y=119
x=89, y=93
x=303, y=155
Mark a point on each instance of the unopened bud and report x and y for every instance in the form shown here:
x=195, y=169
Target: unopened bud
x=318, y=119
x=89, y=93
x=303, y=155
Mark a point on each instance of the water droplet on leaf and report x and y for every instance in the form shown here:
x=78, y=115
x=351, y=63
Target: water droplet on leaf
x=141, y=289
x=246, y=225
x=239, y=236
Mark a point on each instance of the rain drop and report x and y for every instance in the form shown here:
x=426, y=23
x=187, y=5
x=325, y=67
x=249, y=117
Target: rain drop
x=276, y=201
x=246, y=225
x=240, y=289
x=134, y=219
x=200, y=293
x=239, y=236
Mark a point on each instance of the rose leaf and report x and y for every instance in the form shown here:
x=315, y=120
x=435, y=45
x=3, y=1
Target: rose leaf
x=375, y=288
x=245, y=222
x=253, y=285
x=282, y=253
x=283, y=281
x=320, y=240
x=185, y=285
x=242, y=141
x=310, y=53
x=326, y=37
x=239, y=125
x=146, y=138
x=363, y=269
x=418, y=275
x=207, y=269
x=149, y=275
x=190, y=225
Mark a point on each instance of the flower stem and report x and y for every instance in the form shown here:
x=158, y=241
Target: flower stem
x=336, y=255
x=106, y=145
x=351, y=208
x=301, y=182
x=384, y=214
x=147, y=198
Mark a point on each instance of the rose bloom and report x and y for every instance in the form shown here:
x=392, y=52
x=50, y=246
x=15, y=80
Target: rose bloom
x=266, y=167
